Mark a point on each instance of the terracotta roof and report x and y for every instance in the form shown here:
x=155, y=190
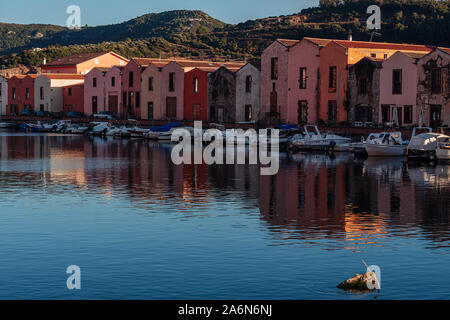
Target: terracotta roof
x=74, y=59
x=318, y=41
x=23, y=76
x=63, y=76
x=415, y=55
x=287, y=42
x=381, y=45
x=445, y=49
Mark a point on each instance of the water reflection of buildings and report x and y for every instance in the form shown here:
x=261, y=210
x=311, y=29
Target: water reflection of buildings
x=312, y=196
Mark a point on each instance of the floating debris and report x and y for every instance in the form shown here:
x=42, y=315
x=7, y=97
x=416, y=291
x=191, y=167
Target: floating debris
x=362, y=282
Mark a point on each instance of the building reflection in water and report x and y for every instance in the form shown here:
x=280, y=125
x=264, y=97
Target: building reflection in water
x=312, y=197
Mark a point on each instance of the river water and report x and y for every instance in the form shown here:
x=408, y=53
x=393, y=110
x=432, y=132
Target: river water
x=140, y=227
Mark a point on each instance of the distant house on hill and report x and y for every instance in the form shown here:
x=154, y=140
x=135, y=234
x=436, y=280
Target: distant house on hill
x=82, y=63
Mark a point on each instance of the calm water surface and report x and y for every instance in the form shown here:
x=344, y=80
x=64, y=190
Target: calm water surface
x=142, y=228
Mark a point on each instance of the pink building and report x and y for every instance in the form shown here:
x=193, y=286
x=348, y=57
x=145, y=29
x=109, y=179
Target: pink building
x=303, y=82
x=113, y=90
x=94, y=91
x=274, y=81
x=131, y=88
x=398, y=88
x=172, y=91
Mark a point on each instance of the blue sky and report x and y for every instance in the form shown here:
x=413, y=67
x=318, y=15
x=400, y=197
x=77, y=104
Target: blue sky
x=100, y=12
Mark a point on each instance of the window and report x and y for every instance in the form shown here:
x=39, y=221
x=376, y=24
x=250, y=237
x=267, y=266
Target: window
x=150, y=84
x=248, y=84
x=303, y=77
x=332, y=110
x=436, y=80
x=274, y=69
x=248, y=113
x=41, y=92
x=195, y=85
x=363, y=86
x=397, y=81
x=27, y=93
x=171, y=82
x=94, y=82
x=131, y=79
x=407, y=110
x=386, y=113
x=13, y=93
x=69, y=92
x=373, y=55
x=138, y=99
x=274, y=87
x=332, y=78
x=124, y=98
x=113, y=81
x=385, y=55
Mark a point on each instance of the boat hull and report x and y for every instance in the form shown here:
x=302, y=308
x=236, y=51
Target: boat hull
x=384, y=150
x=443, y=154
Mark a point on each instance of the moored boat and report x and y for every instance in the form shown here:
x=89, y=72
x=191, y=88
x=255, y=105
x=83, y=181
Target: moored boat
x=423, y=146
x=385, y=144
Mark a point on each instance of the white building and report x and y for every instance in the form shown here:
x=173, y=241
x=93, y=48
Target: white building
x=49, y=92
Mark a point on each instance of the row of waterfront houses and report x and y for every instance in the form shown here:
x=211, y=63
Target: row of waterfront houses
x=297, y=81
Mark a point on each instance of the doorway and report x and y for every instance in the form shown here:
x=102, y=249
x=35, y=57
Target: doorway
x=435, y=115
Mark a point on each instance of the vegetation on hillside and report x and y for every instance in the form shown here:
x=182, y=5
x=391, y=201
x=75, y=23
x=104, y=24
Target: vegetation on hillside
x=196, y=34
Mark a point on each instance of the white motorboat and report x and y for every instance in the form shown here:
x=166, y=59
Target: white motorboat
x=424, y=145
x=101, y=128
x=313, y=139
x=443, y=149
x=385, y=144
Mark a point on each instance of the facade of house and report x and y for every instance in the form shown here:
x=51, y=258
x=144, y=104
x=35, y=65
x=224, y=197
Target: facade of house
x=49, y=90
x=303, y=81
x=172, y=91
x=94, y=91
x=196, y=95
x=222, y=96
x=433, y=91
x=73, y=98
x=113, y=90
x=274, y=81
x=248, y=92
x=398, y=87
x=3, y=95
x=364, y=92
x=82, y=63
x=131, y=88
x=20, y=94
x=151, y=91
x=335, y=59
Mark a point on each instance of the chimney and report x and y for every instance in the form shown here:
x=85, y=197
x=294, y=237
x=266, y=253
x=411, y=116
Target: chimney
x=350, y=36
x=45, y=61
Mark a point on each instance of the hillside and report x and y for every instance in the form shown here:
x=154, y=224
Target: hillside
x=196, y=34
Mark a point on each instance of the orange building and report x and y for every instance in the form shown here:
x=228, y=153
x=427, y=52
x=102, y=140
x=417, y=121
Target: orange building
x=82, y=63
x=335, y=59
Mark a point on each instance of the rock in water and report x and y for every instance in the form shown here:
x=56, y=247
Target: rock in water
x=359, y=282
